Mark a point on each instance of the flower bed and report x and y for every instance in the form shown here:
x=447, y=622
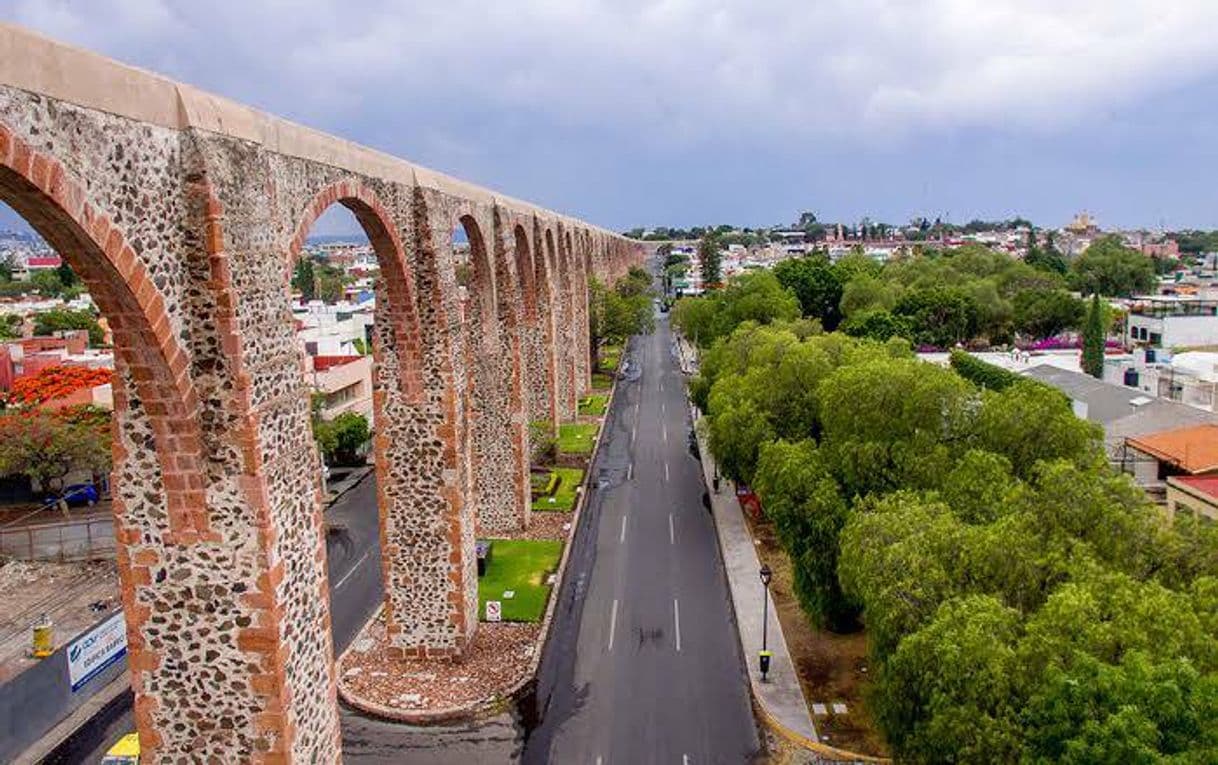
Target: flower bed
x=56, y=382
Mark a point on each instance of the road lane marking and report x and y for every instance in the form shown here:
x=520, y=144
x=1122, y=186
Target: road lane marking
x=622, y=538
x=630, y=472
x=665, y=471
x=612, y=623
x=664, y=433
x=662, y=412
x=672, y=537
x=684, y=759
x=354, y=568
x=676, y=616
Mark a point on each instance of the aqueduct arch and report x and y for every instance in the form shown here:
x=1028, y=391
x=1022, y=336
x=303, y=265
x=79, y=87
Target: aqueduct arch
x=182, y=212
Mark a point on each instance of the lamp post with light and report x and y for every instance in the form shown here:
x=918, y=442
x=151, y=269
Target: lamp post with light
x=764, y=656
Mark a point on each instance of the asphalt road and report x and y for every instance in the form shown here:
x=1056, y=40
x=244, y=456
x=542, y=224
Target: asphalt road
x=355, y=591
x=645, y=665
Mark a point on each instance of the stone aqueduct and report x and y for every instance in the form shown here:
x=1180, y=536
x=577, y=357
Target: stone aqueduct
x=183, y=213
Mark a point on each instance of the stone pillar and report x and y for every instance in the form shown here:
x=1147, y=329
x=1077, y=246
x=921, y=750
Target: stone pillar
x=498, y=433
x=536, y=329
x=228, y=605
x=583, y=342
x=565, y=331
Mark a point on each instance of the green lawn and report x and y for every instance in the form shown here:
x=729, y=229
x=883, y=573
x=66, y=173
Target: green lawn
x=569, y=480
x=610, y=356
x=576, y=438
x=594, y=404
x=601, y=381
x=522, y=566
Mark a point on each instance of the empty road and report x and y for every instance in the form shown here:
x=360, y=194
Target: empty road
x=645, y=665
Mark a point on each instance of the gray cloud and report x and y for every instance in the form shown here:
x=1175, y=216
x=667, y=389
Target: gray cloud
x=463, y=84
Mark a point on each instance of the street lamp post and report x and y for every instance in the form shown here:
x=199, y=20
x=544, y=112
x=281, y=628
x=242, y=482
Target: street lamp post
x=764, y=656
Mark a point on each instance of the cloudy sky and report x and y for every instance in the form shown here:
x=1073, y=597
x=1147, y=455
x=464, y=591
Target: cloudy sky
x=682, y=112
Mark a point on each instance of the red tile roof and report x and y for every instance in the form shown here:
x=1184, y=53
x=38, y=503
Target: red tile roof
x=1200, y=484
x=322, y=363
x=1194, y=450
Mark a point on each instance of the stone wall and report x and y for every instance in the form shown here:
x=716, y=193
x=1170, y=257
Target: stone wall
x=183, y=213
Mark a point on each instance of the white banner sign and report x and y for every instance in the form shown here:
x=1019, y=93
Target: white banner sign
x=97, y=649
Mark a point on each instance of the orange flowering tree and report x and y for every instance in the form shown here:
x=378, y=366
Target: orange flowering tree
x=55, y=382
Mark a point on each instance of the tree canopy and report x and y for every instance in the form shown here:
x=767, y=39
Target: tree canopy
x=1022, y=601
x=1110, y=268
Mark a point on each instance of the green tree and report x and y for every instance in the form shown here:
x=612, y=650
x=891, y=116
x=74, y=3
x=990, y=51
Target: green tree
x=1046, y=312
x=341, y=439
x=816, y=284
x=808, y=512
x=67, y=277
x=46, y=446
x=614, y=315
x=738, y=430
x=950, y=691
x=46, y=283
x=866, y=292
x=303, y=279
x=1029, y=422
x=64, y=319
x=10, y=326
x=939, y=316
x=900, y=558
x=1094, y=339
x=757, y=297
x=331, y=283
x=877, y=325
x=1110, y=268
x=711, y=258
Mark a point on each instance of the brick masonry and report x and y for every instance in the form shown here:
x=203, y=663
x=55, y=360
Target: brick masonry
x=183, y=214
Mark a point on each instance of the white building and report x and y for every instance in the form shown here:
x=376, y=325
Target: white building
x=1172, y=321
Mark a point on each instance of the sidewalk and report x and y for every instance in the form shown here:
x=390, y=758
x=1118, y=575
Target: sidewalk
x=780, y=695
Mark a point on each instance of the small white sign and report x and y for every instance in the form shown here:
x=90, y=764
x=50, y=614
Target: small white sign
x=509, y=594
x=97, y=649
x=494, y=611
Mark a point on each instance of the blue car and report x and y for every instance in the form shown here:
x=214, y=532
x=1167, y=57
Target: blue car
x=75, y=495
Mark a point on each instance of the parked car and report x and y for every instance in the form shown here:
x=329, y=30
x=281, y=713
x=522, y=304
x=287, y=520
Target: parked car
x=75, y=495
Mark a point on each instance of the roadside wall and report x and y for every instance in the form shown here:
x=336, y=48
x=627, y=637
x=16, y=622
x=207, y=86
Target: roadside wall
x=36, y=700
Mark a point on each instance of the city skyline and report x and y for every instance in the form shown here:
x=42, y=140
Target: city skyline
x=676, y=114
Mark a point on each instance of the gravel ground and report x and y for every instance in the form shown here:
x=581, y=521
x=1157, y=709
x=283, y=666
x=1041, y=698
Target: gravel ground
x=74, y=595
x=496, y=663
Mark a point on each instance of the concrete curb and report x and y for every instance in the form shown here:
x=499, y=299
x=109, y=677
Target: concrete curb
x=485, y=708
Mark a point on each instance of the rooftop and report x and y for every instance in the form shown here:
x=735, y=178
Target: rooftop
x=1193, y=449
x=1198, y=484
x=1105, y=402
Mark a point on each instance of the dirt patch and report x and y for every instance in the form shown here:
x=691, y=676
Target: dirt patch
x=546, y=524
x=832, y=668
x=75, y=596
x=497, y=662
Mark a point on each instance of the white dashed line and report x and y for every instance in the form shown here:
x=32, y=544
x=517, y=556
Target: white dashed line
x=622, y=538
x=612, y=623
x=665, y=471
x=672, y=536
x=676, y=617
x=354, y=568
